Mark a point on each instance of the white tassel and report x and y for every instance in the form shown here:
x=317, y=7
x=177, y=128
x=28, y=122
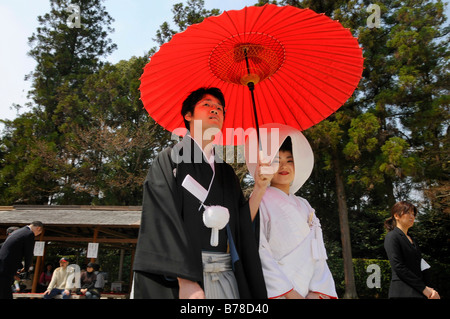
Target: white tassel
x=215, y=217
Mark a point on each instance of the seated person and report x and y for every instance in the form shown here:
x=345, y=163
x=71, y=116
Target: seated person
x=59, y=283
x=88, y=279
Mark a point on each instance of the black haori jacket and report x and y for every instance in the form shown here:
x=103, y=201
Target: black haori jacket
x=172, y=234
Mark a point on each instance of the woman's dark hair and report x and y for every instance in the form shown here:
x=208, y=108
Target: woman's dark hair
x=287, y=145
x=399, y=208
x=195, y=96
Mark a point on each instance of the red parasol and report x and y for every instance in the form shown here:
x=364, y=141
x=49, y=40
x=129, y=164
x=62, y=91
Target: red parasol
x=300, y=67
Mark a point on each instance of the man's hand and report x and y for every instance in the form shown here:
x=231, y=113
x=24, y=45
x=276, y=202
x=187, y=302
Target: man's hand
x=190, y=290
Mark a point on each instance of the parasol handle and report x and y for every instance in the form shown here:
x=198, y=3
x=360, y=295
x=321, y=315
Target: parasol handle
x=251, y=87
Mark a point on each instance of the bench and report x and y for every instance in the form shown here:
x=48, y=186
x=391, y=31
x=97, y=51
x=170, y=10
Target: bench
x=114, y=295
x=105, y=295
x=32, y=295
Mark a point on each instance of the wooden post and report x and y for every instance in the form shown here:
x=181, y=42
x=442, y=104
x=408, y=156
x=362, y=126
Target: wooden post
x=131, y=270
x=122, y=255
x=37, y=267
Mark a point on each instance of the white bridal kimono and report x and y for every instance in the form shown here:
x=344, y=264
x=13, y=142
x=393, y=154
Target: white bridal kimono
x=291, y=247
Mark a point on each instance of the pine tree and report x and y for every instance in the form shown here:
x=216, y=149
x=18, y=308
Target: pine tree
x=66, y=54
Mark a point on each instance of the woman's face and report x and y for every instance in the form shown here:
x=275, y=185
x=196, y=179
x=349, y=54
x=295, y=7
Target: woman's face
x=286, y=170
x=406, y=220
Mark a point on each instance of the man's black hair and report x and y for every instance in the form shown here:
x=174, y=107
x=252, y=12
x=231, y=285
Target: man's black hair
x=37, y=223
x=195, y=96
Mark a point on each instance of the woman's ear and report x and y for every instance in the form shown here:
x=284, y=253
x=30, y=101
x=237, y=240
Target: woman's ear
x=188, y=116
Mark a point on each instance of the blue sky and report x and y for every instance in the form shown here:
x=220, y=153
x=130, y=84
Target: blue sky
x=136, y=23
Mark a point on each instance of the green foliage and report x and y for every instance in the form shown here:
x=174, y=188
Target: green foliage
x=184, y=15
x=361, y=276
x=438, y=274
x=390, y=137
x=88, y=140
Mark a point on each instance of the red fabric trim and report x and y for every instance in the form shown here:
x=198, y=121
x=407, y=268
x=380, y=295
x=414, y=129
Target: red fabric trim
x=281, y=294
x=321, y=293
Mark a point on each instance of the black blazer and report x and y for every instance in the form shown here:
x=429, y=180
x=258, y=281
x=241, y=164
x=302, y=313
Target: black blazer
x=19, y=245
x=405, y=257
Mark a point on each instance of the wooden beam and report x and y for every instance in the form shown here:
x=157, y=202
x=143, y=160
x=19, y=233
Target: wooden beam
x=89, y=239
x=112, y=232
x=62, y=230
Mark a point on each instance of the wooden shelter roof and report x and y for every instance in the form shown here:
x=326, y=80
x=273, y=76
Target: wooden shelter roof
x=107, y=224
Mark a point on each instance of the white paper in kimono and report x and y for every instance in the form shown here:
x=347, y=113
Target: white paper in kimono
x=214, y=217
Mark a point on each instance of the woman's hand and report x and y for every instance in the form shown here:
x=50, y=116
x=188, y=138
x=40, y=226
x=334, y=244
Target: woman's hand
x=263, y=176
x=430, y=293
x=293, y=294
x=434, y=294
x=316, y=295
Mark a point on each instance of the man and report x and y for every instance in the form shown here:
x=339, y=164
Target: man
x=100, y=282
x=59, y=283
x=18, y=246
x=174, y=254
x=9, y=231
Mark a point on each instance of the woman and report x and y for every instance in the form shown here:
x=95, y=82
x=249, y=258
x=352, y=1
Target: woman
x=88, y=279
x=404, y=256
x=291, y=249
x=45, y=278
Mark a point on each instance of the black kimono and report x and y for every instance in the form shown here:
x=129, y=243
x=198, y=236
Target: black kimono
x=172, y=235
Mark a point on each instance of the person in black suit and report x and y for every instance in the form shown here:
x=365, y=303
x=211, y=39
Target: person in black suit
x=408, y=277
x=9, y=231
x=19, y=245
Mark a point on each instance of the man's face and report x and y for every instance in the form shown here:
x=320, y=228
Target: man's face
x=209, y=111
x=36, y=230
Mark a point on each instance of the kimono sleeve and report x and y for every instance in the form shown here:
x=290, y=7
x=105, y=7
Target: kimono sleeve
x=163, y=246
x=277, y=283
x=322, y=281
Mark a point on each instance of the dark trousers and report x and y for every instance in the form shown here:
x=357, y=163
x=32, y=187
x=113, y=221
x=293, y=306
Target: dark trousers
x=151, y=286
x=5, y=286
x=54, y=292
